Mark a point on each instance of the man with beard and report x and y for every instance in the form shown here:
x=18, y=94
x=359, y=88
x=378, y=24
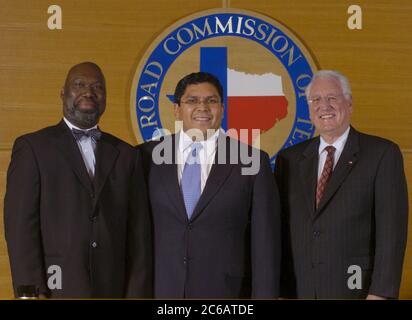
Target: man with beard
x=75, y=211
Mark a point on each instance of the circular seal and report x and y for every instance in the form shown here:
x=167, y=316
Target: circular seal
x=264, y=70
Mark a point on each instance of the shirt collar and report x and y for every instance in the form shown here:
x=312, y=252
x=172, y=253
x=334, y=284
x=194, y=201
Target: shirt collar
x=338, y=144
x=209, y=145
x=71, y=126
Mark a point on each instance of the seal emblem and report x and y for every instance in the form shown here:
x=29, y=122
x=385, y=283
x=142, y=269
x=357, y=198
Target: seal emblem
x=263, y=67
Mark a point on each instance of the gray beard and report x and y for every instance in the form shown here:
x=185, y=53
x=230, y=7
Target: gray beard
x=82, y=119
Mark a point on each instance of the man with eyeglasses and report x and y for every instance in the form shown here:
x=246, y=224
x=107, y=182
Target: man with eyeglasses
x=216, y=227
x=76, y=214
x=344, y=204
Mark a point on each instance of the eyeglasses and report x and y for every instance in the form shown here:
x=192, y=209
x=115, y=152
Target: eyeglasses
x=195, y=101
x=328, y=99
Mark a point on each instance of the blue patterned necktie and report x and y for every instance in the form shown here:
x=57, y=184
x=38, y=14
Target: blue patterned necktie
x=190, y=183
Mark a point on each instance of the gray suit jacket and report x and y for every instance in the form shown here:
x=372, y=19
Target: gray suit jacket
x=361, y=219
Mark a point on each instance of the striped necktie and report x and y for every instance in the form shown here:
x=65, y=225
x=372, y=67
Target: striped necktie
x=326, y=173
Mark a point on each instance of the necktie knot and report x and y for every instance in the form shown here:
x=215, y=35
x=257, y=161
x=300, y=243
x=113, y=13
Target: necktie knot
x=194, y=153
x=330, y=150
x=95, y=134
x=196, y=147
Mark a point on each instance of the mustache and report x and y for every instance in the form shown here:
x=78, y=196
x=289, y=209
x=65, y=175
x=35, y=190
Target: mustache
x=86, y=99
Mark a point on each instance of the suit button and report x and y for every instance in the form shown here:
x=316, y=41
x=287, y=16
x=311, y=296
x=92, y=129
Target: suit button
x=93, y=219
x=190, y=226
x=316, y=234
x=94, y=244
x=92, y=195
x=184, y=260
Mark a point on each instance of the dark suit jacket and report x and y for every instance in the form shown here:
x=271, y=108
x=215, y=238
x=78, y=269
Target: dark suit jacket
x=230, y=247
x=361, y=219
x=98, y=232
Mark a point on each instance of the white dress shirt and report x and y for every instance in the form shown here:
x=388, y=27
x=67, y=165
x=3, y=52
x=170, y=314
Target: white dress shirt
x=206, y=155
x=339, y=144
x=87, y=147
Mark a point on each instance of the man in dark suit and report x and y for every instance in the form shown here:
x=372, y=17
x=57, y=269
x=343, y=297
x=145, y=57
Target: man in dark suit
x=344, y=204
x=75, y=212
x=216, y=225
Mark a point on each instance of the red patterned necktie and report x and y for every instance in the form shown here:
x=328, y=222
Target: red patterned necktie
x=326, y=173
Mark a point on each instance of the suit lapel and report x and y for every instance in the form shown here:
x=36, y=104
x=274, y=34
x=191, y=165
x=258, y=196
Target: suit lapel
x=346, y=162
x=168, y=173
x=217, y=177
x=106, y=155
x=67, y=145
x=309, y=173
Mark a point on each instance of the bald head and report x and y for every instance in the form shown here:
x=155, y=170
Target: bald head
x=84, y=95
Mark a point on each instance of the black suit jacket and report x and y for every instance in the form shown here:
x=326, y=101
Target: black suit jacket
x=230, y=247
x=97, y=232
x=361, y=219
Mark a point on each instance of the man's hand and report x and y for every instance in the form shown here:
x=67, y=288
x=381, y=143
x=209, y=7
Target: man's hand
x=373, y=297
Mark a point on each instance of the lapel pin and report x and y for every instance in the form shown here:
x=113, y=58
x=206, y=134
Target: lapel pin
x=350, y=162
